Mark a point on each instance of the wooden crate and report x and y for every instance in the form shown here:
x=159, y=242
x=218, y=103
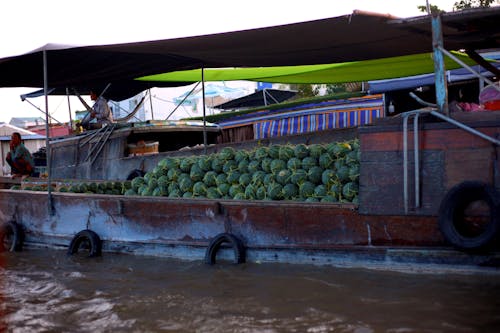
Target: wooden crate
x=143, y=148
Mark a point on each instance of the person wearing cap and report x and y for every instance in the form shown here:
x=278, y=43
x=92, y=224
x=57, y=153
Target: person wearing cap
x=19, y=158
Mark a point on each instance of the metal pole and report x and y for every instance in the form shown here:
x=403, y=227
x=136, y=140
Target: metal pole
x=405, y=162
x=151, y=104
x=105, y=89
x=428, y=7
x=47, y=134
x=204, y=118
x=439, y=68
x=470, y=69
x=175, y=109
x=416, y=158
x=69, y=110
x=466, y=128
x=268, y=94
x=42, y=111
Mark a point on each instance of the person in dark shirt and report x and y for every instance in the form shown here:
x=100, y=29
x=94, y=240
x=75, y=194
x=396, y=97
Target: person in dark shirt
x=19, y=158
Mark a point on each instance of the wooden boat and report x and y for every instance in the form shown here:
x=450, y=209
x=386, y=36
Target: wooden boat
x=377, y=232
x=428, y=195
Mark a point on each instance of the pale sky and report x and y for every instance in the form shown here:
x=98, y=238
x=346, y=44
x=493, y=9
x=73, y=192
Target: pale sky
x=29, y=24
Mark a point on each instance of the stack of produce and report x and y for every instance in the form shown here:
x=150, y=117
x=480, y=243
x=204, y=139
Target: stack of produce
x=109, y=187
x=75, y=186
x=313, y=173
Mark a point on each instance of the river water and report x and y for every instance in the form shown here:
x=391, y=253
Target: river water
x=46, y=291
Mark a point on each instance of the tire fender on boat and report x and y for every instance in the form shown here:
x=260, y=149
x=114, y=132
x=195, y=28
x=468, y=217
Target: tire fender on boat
x=90, y=238
x=452, y=213
x=16, y=233
x=232, y=240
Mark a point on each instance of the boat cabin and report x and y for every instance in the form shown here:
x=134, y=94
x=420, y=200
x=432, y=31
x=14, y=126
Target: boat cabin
x=118, y=150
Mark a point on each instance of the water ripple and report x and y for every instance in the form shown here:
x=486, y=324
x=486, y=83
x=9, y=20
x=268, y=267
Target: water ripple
x=48, y=292
x=36, y=302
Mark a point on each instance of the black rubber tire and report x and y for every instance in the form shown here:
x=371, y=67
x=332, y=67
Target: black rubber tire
x=89, y=236
x=16, y=233
x=217, y=241
x=451, y=213
x=135, y=173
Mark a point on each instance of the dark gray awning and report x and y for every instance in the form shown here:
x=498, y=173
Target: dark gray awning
x=359, y=36
x=259, y=98
x=117, y=91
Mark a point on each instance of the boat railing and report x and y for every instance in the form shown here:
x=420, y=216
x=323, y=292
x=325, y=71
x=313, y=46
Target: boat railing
x=105, y=133
x=416, y=147
x=416, y=156
x=88, y=136
x=102, y=142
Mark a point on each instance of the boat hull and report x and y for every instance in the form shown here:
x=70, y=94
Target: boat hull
x=376, y=232
x=289, y=232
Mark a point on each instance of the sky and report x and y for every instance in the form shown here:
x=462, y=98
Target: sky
x=29, y=24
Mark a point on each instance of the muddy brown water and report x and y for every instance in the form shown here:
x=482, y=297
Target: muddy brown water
x=46, y=291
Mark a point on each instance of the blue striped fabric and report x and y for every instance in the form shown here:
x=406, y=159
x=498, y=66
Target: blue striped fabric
x=316, y=122
x=365, y=102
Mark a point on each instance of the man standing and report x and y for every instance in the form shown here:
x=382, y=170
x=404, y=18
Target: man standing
x=19, y=158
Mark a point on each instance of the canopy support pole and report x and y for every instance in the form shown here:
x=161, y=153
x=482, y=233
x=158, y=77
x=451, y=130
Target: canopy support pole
x=50, y=207
x=439, y=68
x=69, y=109
x=36, y=107
x=267, y=93
x=175, y=109
x=204, y=111
x=151, y=104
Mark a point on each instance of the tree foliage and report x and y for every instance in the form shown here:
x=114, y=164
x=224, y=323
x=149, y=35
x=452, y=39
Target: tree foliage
x=466, y=4
x=434, y=9
x=335, y=88
x=460, y=5
x=305, y=90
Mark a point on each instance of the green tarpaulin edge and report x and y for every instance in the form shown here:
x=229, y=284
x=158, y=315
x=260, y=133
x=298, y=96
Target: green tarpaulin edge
x=357, y=71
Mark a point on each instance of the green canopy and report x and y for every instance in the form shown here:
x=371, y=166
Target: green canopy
x=356, y=71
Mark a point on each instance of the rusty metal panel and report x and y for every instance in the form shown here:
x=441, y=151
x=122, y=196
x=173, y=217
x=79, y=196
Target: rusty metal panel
x=324, y=225
x=403, y=230
x=256, y=223
x=181, y=222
